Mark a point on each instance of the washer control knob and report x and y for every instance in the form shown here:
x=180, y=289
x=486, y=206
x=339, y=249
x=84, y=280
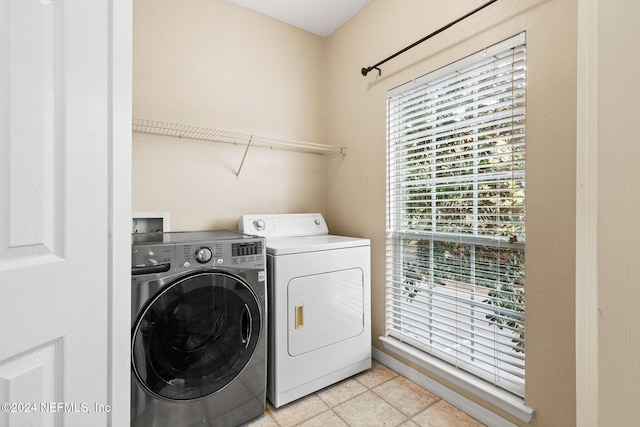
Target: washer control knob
x=317, y=222
x=203, y=255
x=259, y=224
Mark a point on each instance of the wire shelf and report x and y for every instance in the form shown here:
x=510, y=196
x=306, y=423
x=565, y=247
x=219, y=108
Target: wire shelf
x=193, y=132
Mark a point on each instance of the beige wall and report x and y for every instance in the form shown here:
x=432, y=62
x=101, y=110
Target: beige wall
x=213, y=64
x=356, y=118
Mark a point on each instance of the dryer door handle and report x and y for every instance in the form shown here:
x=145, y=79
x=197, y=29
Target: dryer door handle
x=246, y=326
x=299, y=316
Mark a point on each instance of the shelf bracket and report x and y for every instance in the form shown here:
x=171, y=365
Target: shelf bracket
x=246, y=150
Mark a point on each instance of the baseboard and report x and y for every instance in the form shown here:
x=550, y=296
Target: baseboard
x=461, y=402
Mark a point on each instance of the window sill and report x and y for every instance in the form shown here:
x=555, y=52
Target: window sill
x=503, y=400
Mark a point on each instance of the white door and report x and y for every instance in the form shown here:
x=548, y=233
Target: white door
x=59, y=95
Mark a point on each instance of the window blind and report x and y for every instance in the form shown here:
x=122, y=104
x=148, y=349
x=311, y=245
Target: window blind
x=456, y=214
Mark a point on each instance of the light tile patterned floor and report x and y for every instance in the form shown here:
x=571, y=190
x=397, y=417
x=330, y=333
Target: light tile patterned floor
x=377, y=397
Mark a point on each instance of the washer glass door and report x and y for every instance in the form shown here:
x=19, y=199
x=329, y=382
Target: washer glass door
x=196, y=336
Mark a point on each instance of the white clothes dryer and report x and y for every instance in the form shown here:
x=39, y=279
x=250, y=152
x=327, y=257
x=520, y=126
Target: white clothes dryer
x=319, y=298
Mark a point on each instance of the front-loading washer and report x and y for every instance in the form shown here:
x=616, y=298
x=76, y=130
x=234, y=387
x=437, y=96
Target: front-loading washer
x=319, y=300
x=198, y=337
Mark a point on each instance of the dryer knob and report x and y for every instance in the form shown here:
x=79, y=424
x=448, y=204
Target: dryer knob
x=259, y=224
x=203, y=255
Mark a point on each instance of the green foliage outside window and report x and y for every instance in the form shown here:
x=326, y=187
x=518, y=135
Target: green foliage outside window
x=440, y=198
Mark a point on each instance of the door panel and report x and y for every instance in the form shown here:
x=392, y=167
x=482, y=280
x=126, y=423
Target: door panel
x=30, y=78
x=54, y=209
x=324, y=309
x=29, y=382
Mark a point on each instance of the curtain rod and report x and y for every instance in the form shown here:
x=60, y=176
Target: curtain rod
x=365, y=70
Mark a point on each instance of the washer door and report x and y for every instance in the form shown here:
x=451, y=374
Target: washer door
x=196, y=336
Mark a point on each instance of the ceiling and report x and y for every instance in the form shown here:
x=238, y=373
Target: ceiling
x=320, y=17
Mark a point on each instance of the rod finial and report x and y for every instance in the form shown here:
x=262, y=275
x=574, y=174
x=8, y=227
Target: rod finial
x=365, y=70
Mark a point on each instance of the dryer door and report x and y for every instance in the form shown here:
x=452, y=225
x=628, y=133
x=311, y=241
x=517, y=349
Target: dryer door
x=196, y=336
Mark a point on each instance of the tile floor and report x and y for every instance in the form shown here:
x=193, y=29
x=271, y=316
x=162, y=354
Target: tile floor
x=377, y=397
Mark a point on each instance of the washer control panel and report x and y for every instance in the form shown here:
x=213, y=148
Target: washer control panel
x=172, y=257
x=246, y=254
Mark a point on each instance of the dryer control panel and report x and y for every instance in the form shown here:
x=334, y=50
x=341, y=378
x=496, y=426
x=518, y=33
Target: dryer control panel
x=284, y=225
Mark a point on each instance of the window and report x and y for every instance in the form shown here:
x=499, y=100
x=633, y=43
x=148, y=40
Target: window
x=456, y=214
